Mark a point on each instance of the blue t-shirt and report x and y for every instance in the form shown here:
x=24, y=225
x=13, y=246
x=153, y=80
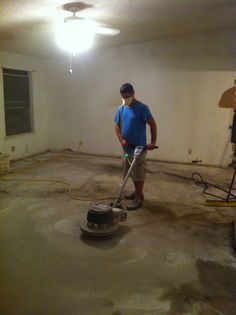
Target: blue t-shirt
x=133, y=123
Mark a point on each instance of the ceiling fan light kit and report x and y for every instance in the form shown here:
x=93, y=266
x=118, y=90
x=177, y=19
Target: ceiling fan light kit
x=77, y=34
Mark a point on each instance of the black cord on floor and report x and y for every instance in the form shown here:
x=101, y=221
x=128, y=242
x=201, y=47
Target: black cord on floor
x=199, y=181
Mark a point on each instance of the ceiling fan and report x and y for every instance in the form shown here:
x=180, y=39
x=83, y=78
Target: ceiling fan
x=95, y=27
x=77, y=34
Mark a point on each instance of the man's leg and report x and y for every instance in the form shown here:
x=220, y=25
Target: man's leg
x=139, y=189
x=138, y=177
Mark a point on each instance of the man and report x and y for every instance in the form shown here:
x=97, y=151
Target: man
x=130, y=126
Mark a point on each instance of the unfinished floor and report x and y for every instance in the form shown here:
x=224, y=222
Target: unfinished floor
x=172, y=256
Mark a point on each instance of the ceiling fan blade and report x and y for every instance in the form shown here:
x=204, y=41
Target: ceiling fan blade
x=107, y=31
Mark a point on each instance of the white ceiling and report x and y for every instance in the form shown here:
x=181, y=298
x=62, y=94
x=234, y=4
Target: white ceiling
x=28, y=26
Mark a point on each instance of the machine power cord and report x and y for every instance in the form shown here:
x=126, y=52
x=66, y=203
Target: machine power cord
x=60, y=182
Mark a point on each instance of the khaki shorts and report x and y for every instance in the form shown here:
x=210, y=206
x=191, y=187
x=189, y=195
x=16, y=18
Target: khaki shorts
x=139, y=170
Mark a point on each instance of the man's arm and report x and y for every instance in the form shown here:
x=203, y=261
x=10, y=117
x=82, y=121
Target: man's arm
x=153, y=131
x=119, y=135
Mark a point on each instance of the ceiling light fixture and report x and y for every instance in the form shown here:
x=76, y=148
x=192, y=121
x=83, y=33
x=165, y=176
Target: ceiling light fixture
x=77, y=34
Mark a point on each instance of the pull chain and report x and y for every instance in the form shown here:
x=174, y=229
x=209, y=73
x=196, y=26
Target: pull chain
x=70, y=70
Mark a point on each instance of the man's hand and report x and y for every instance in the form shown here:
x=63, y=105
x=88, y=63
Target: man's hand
x=151, y=146
x=124, y=143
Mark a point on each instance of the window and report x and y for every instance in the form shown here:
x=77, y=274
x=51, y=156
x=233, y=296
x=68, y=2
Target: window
x=17, y=101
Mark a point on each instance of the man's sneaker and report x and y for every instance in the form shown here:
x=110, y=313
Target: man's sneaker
x=132, y=196
x=135, y=204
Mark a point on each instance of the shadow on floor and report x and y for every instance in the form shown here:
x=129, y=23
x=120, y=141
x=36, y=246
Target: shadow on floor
x=214, y=293
x=106, y=243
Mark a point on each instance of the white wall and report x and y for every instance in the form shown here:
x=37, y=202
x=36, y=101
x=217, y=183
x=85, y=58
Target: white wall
x=37, y=141
x=181, y=79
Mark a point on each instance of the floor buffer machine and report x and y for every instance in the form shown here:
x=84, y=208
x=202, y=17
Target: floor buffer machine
x=103, y=220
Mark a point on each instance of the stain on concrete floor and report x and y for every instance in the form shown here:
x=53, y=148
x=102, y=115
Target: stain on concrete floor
x=172, y=256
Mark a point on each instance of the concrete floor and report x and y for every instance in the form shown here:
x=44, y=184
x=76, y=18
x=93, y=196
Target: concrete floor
x=172, y=256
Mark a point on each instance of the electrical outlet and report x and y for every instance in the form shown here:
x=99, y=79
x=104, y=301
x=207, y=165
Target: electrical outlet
x=80, y=142
x=13, y=148
x=189, y=151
